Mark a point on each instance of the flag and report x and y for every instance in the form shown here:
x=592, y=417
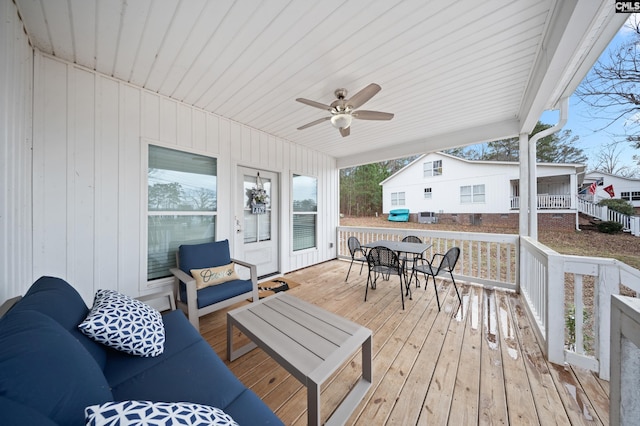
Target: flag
x=592, y=188
x=610, y=191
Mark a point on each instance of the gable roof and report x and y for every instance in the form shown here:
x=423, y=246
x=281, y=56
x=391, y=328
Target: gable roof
x=579, y=168
x=453, y=73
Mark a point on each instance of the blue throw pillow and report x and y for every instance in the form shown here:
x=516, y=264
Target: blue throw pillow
x=125, y=324
x=43, y=367
x=143, y=413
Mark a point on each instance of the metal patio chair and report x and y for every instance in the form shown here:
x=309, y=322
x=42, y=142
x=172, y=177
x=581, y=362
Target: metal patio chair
x=428, y=269
x=357, y=254
x=385, y=262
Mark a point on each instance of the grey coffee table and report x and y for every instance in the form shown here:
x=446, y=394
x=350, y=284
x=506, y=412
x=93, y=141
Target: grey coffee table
x=309, y=342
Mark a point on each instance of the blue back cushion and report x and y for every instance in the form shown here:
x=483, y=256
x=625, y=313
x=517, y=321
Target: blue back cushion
x=44, y=368
x=57, y=299
x=206, y=255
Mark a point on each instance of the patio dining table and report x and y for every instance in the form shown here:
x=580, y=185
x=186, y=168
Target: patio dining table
x=400, y=247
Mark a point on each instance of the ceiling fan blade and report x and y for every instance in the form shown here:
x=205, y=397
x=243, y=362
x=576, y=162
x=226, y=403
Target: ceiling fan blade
x=372, y=115
x=363, y=96
x=345, y=131
x=313, y=123
x=314, y=104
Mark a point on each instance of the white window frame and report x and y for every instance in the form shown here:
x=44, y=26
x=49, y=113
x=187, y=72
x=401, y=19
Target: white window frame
x=147, y=283
x=474, y=196
x=302, y=213
x=428, y=193
x=395, y=198
x=432, y=168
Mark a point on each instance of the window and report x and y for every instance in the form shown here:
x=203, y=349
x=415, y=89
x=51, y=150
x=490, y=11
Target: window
x=397, y=198
x=630, y=196
x=181, y=205
x=427, y=193
x=472, y=194
x=432, y=168
x=305, y=212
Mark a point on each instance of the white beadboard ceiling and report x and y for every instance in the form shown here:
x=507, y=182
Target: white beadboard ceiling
x=453, y=73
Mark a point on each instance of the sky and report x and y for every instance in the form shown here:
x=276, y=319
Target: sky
x=594, y=133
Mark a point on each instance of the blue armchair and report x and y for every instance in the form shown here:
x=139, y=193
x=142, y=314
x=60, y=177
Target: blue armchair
x=196, y=302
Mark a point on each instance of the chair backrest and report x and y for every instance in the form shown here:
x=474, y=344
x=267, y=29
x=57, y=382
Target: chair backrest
x=382, y=256
x=354, y=245
x=206, y=255
x=449, y=260
x=411, y=239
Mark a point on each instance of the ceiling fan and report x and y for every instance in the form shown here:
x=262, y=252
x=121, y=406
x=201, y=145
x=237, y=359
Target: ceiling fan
x=344, y=110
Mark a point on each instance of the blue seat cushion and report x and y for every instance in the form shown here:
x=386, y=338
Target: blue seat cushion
x=219, y=292
x=205, y=255
x=248, y=409
x=57, y=299
x=16, y=414
x=188, y=370
x=31, y=344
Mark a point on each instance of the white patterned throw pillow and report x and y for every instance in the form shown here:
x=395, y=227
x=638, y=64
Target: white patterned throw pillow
x=147, y=413
x=125, y=324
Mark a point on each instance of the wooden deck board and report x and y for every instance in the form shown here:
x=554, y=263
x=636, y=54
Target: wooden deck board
x=476, y=365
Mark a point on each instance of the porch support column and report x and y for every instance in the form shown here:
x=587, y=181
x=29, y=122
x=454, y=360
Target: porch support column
x=523, y=212
x=533, y=189
x=533, y=184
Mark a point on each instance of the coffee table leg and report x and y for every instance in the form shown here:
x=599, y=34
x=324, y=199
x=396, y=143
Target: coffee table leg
x=313, y=403
x=367, y=363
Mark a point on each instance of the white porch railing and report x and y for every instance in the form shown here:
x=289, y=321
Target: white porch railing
x=546, y=202
x=630, y=224
x=488, y=259
x=568, y=297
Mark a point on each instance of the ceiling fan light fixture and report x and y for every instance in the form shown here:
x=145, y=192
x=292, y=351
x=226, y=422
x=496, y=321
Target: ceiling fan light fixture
x=341, y=121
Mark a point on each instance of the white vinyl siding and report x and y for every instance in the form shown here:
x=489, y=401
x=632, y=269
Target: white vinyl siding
x=89, y=150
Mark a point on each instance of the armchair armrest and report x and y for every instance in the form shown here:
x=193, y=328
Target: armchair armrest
x=253, y=271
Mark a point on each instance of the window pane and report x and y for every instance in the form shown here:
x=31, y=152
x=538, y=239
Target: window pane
x=305, y=199
x=437, y=168
x=178, y=182
x=304, y=231
x=305, y=194
x=175, y=186
x=165, y=235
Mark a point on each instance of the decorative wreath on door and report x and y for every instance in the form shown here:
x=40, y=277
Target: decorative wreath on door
x=258, y=197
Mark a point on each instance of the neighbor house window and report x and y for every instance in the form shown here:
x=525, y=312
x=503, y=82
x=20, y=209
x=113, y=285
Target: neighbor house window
x=397, y=198
x=305, y=212
x=427, y=193
x=630, y=196
x=472, y=194
x=181, y=205
x=432, y=168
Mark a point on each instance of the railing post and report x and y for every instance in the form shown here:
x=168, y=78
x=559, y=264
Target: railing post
x=555, y=309
x=608, y=284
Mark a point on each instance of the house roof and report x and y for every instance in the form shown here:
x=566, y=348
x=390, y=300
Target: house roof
x=453, y=73
x=594, y=174
x=579, y=168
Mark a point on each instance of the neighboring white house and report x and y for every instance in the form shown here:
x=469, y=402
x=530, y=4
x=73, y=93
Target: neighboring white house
x=621, y=187
x=447, y=185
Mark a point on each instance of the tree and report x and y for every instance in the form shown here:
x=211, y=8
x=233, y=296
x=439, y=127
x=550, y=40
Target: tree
x=612, y=87
x=360, y=190
x=555, y=148
x=608, y=160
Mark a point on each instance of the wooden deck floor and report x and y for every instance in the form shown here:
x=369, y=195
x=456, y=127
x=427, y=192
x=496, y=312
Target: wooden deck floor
x=477, y=365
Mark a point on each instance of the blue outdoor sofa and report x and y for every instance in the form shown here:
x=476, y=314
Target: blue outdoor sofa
x=50, y=371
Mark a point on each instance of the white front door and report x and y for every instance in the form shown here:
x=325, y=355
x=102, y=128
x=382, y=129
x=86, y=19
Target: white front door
x=257, y=221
